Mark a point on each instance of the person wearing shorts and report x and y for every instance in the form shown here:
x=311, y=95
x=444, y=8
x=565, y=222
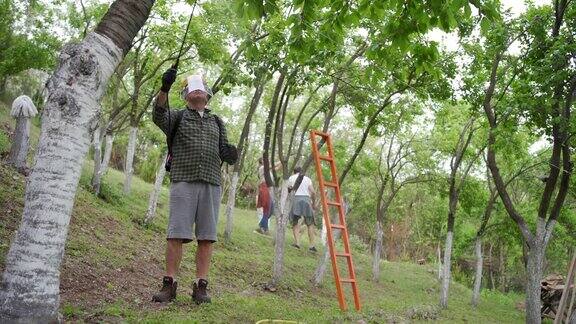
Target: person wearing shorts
x=199, y=145
x=303, y=207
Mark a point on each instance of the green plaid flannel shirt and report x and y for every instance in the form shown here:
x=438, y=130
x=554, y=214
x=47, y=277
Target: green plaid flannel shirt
x=195, y=150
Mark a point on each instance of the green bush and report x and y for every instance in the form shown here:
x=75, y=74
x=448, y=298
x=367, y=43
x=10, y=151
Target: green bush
x=85, y=179
x=358, y=245
x=111, y=194
x=148, y=167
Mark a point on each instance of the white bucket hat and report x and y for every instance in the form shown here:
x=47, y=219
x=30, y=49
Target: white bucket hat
x=195, y=82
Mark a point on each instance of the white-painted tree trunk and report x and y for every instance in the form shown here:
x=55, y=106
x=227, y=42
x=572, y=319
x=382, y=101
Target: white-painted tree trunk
x=30, y=285
x=478, y=275
x=534, y=269
x=533, y=285
x=107, y=152
x=103, y=166
x=97, y=144
x=20, y=143
x=377, y=252
x=128, y=166
x=446, y=271
x=323, y=265
x=321, y=269
x=230, y=207
x=284, y=207
x=324, y=234
x=153, y=200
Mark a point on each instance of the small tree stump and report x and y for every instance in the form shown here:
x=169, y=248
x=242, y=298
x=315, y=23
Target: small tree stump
x=22, y=110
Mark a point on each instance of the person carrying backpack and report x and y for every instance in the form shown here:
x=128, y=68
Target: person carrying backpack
x=197, y=145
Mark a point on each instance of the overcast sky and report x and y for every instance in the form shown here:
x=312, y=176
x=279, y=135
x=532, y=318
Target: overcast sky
x=450, y=41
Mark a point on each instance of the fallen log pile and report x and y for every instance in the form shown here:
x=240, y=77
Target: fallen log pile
x=551, y=289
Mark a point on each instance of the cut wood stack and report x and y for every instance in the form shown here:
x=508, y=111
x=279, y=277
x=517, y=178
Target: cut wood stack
x=551, y=289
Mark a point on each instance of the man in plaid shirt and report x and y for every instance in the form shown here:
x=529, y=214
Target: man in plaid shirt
x=199, y=146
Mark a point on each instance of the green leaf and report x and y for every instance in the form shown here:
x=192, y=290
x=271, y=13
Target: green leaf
x=485, y=25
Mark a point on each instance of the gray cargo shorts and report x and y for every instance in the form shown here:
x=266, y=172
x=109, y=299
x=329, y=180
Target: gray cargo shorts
x=193, y=205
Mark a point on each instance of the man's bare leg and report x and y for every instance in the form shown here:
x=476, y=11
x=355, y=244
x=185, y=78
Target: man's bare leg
x=200, y=286
x=173, y=257
x=296, y=232
x=203, y=257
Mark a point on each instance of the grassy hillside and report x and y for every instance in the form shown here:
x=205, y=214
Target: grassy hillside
x=113, y=264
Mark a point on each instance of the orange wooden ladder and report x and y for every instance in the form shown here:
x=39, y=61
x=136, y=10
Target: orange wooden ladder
x=338, y=203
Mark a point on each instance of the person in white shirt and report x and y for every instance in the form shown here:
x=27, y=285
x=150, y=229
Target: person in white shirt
x=303, y=207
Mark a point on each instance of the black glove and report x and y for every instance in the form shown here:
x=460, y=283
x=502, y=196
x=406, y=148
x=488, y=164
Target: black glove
x=168, y=79
x=229, y=154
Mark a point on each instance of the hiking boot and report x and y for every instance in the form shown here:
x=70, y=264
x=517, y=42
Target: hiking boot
x=168, y=291
x=261, y=231
x=200, y=293
x=295, y=245
x=313, y=249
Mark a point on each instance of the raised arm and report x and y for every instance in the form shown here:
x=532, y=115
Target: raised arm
x=161, y=115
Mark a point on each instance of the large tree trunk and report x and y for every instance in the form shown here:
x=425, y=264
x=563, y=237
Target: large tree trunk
x=242, y=146
x=284, y=205
x=31, y=280
x=20, y=143
x=153, y=200
x=452, y=204
x=103, y=166
x=534, y=269
x=230, y=206
x=377, y=251
x=534, y=274
x=267, y=154
x=446, y=270
x=128, y=166
x=478, y=275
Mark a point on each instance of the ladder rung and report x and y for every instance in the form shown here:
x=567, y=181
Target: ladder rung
x=326, y=158
x=346, y=255
x=322, y=134
x=348, y=280
x=333, y=203
x=338, y=226
x=331, y=184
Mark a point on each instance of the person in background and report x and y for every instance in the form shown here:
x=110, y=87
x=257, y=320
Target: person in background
x=265, y=198
x=303, y=206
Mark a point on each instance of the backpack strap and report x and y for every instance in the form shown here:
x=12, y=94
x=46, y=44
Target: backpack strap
x=172, y=134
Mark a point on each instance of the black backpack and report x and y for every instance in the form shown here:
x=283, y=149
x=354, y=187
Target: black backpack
x=228, y=154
